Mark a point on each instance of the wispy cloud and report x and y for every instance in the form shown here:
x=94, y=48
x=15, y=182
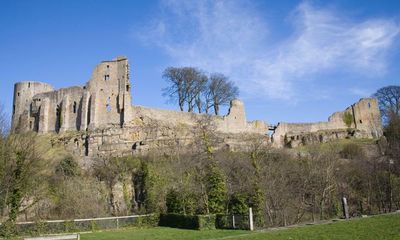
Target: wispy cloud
x=232, y=37
x=360, y=92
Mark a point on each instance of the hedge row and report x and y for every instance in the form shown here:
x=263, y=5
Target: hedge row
x=8, y=229
x=226, y=222
x=199, y=222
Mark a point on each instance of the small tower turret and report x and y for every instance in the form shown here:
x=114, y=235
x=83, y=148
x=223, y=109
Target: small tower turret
x=23, y=94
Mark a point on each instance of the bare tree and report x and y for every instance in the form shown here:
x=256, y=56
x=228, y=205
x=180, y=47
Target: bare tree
x=23, y=182
x=220, y=92
x=195, y=84
x=4, y=122
x=176, y=85
x=185, y=86
x=389, y=101
x=200, y=88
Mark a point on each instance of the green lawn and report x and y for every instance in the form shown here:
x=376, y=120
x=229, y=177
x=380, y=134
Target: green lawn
x=379, y=227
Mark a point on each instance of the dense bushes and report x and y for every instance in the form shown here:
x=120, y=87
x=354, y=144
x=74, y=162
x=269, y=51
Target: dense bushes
x=199, y=222
x=282, y=186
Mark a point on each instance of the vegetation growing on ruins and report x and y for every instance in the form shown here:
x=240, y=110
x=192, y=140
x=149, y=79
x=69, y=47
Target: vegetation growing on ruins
x=348, y=119
x=283, y=186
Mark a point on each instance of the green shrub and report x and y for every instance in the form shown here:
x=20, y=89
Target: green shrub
x=206, y=222
x=216, y=189
x=40, y=228
x=198, y=222
x=222, y=222
x=351, y=151
x=151, y=221
x=174, y=202
x=348, y=119
x=147, y=221
x=70, y=226
x=238, y=204
x=68, y=167
x=93, y=225
x=8, y=229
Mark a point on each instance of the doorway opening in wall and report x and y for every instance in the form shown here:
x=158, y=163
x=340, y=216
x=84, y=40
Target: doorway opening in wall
x=121, y=118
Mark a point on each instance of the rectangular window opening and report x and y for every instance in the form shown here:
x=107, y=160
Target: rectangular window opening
x=106, y=77
x=74, y=107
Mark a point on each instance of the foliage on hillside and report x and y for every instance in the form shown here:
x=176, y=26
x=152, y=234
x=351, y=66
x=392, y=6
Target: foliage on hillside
x=40, y=181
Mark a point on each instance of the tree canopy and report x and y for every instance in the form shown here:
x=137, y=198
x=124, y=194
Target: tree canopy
x=192, y=87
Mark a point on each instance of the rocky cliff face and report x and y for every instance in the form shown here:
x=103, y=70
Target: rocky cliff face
x=146, y=135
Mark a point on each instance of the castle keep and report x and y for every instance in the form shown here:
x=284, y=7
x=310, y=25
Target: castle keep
x=104, y=100
x=100, y=119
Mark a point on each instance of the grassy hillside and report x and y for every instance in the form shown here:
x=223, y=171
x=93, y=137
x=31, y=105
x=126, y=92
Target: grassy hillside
x=379, y=227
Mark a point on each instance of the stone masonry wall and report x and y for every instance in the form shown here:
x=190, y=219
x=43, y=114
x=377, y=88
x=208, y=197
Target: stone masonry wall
x=102, y=120
x=366, y=123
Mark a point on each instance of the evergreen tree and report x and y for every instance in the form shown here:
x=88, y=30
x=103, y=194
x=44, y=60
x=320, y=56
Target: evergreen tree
x=216, y=189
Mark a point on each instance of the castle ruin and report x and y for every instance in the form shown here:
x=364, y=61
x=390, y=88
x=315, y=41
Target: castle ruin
x=100, y=119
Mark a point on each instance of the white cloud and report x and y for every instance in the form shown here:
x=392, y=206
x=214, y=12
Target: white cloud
x=233, y=38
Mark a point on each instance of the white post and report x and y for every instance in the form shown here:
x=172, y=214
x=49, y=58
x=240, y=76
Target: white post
x=345, y=208
x=251, y=219
x=233, y=221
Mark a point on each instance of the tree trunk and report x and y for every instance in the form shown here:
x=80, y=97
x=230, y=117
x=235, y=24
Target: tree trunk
x=216, y=109
x=190, y=106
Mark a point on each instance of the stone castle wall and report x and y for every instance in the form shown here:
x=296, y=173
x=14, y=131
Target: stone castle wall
x=98, y=118
x=105, y=121
x=366, y=123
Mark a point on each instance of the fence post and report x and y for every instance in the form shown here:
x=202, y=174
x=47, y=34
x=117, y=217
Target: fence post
x=251, y=219
x=117, y=223
x=233, y=221
x=345, y=208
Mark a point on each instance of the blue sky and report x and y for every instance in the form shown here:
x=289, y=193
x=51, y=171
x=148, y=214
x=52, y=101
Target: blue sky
x=293, y=61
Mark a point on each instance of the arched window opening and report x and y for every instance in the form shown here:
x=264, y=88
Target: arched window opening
x=108, y=104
